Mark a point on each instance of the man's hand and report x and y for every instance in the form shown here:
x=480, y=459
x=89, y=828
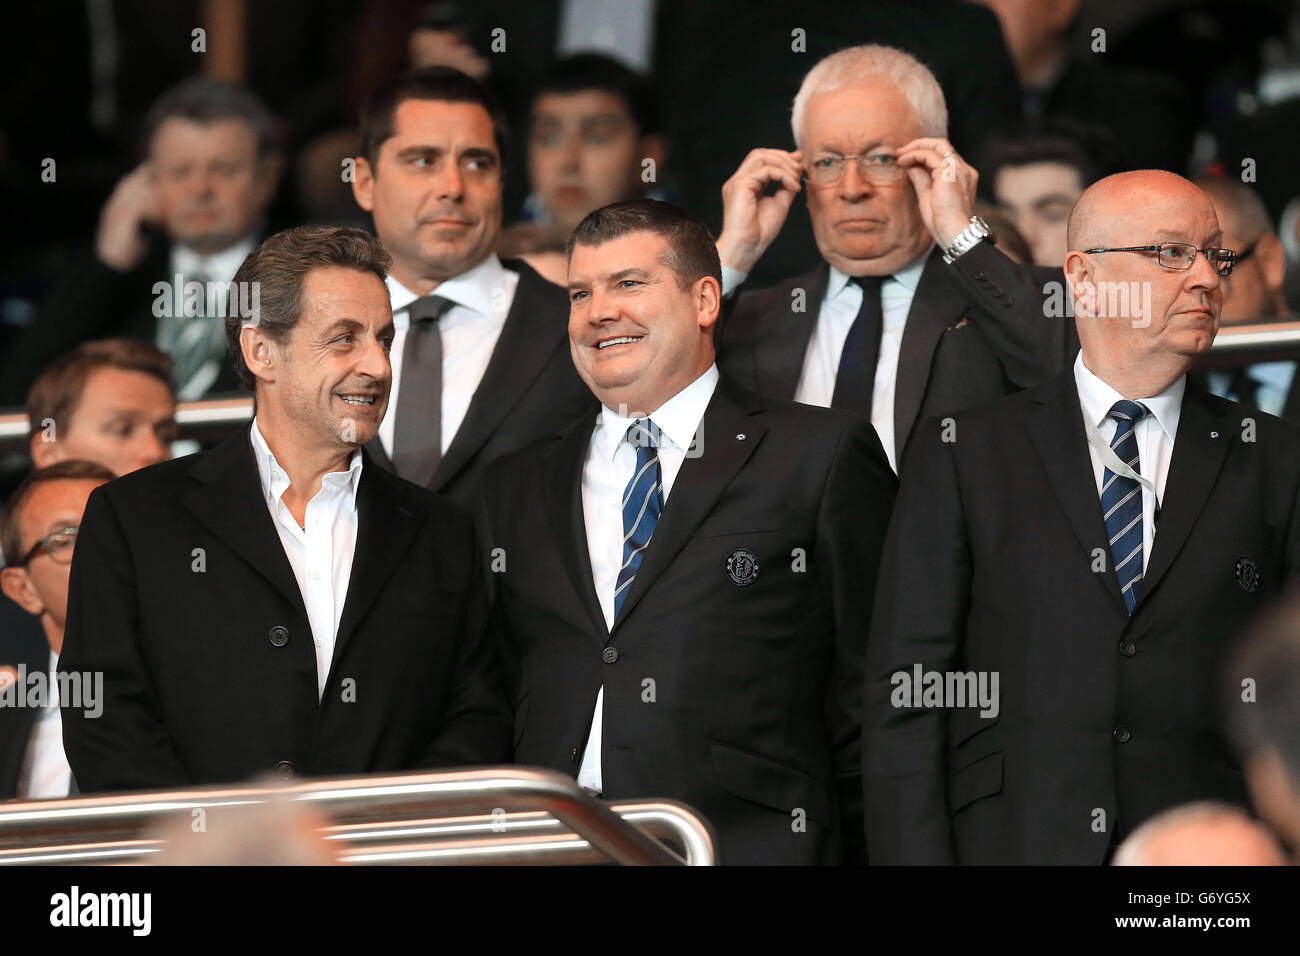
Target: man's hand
x=750, y=220
x=120, y=243
x=945, y=186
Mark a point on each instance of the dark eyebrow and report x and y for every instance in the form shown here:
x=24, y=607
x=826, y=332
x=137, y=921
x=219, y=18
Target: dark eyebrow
x=343, y=325
x=412, y=152
x=1051, y=198
x=632, y=273
x=478, y=152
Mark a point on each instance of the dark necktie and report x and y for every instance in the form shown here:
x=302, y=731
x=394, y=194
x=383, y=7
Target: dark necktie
x=1121, y=502
x=856, y=378
x=642, y=503
x=417, y=430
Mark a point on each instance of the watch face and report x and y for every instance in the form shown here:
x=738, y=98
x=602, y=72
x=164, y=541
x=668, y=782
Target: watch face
x=981, y=227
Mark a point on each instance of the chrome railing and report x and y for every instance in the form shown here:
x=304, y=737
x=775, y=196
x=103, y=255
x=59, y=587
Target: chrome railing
x=492, y=815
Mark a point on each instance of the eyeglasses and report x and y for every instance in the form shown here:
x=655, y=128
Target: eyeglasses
x=57, y=544
x=877, y=168
x=1179, y=256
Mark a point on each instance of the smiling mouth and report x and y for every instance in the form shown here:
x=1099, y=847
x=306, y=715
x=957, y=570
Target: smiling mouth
x=621, y=340
x=360, y=400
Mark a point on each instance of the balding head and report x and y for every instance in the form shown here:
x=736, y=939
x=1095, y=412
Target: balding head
x=1141, y=321
x=1200, y=834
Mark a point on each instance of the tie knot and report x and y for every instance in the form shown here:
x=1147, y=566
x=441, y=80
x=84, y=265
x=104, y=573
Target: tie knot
x=429, y=308
x=868, y=283
x=1126, y=411
x=643, y=433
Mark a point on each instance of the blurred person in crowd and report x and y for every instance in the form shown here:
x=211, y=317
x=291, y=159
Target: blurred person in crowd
x=1262, y=681
x=1200, y=834
x=277, y=831
x=357, y=643
x=1252, y=294
x=1035, y=177
x=1005, y=235
x=480, y=359
x=911, y=312
x=1150, y=113
x=649, y=560
x=1093, y=641
x=170, y=238
x=111, y=401
x=38, y=533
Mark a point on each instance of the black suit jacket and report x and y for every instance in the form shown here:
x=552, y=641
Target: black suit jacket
x=1104, y=719
x=530, y=389
x=22, y=644
x=92, y=301
x=743, y=700
x=181, y=594
x=976, y=331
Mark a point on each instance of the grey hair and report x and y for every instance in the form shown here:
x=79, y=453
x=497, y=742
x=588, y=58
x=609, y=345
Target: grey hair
x=859, y=65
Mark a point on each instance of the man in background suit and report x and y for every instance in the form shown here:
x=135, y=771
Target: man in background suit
x=480, y=362
x=1024, y=562
x=181, y=222
x=38, y=532
x=885, y=325
x=682, y=586
x=278, y=602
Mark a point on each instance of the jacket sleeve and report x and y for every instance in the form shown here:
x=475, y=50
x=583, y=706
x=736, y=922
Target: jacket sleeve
x=1024, y=312
x=475, y=728
x=921, y=605
x=120, y=743
x=851, y=524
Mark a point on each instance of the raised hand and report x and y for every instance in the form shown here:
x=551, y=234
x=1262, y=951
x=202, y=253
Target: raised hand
x=750, y=220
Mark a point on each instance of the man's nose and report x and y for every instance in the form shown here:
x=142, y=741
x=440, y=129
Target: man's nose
x=373, y=361
x=151, y=449
x=451, y=184
x=853, y=185
x=601, y=307
x=1204, y=274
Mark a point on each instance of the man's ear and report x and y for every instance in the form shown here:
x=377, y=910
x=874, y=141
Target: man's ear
x=17, y=586
x=1079, y=280
x=708, y=300
x=363, y=184
x=260, y=353
x=44, y=453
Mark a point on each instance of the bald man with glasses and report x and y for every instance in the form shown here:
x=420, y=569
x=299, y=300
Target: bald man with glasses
x=1084, y=551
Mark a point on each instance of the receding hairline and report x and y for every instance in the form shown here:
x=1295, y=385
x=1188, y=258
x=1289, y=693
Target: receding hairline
x=1084, y=229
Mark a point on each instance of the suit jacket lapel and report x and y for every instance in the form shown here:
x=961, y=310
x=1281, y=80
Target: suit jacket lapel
x=1056, y=428
x=528, y=339
x=1200, y=446
x=386, y=526
x=227, y=498
x=779, y=352
x=936, y=305
x=699, y=483
x=562, y=486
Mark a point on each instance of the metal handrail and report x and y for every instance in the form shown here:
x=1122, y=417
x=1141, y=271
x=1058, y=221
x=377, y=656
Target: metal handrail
x=493, y=814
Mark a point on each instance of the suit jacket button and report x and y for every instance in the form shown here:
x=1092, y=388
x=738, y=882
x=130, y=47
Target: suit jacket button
x=1127, y=648
x=1122, y=734
x=279, y=635
x=609, y=655
x=284, y=768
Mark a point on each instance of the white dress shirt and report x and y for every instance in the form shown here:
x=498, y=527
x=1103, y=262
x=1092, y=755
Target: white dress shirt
x=610, y=465
x=45, y=774
x=838, y=308
x=1155, y=438
x=469, y=332
x=321, y=552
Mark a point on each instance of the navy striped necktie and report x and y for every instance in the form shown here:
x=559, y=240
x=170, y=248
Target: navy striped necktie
x=642, y=504
x=1121, y=502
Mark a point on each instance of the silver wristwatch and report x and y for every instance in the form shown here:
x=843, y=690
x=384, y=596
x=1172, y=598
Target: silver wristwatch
x=967, y=238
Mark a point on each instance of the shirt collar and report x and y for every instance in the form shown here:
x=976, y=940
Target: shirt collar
x=475, y=290
x=217, y=267
x=909, y=276
x=677, y=419
x=1096, y=398
x=275, y=480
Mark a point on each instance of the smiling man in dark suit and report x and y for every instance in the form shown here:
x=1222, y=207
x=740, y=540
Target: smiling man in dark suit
x=1086, y=550
x=682, y=583
x=913, y=312
x=480, y=362
x=279, y=603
